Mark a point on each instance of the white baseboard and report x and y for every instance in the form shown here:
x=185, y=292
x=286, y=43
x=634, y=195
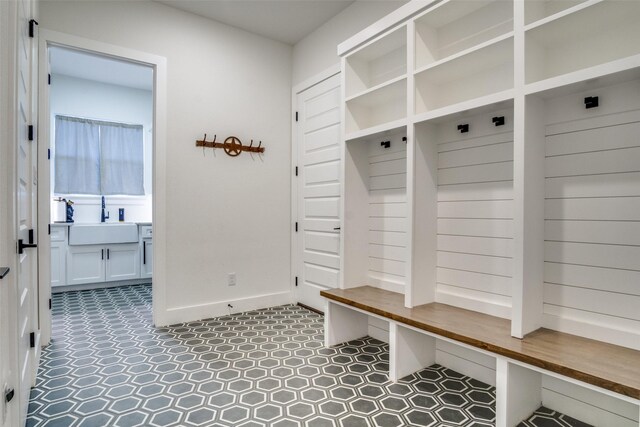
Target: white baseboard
x=176, y=315
x=101, y=285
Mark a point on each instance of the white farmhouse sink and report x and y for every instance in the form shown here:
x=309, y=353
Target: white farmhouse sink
x=102, y=233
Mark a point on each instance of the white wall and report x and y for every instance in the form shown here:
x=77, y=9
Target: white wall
x=76, y=97
x=223, y=214
x=319, y=50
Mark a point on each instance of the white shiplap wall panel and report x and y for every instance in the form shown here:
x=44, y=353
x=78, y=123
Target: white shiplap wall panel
x=388, y=214
x=609, y=185
x=592, y=229
x=481, y=191
x=475, y=219
x=502, y=228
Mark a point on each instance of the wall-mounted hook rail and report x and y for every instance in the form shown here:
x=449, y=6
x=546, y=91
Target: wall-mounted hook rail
x=231, y=145
x=463, y=128
x=498, y=121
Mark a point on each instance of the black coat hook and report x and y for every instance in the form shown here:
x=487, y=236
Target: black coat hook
x=498, y=121
x=404, y=138
x=591, y=102
x=463, y=128
x=385, y=144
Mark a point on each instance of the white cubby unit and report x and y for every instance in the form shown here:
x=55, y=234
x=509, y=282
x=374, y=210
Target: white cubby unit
x=463, y=205
x=376, y=217
x=510, y=187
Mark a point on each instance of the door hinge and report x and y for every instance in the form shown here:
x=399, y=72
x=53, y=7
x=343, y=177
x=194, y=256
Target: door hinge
x=32, y=339
x=296, y=280
x=30, y=132
x=296, y=171
x=32, y=27
x=49, y=79
x=296, y=226
x=296, y=116
x=49, y=303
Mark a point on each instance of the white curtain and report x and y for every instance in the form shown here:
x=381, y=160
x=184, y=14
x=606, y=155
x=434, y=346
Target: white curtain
x=122, y=159
x=77, y=156
x=98, y=158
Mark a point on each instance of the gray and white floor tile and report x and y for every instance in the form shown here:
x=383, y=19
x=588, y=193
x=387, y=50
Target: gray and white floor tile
x=108, y=366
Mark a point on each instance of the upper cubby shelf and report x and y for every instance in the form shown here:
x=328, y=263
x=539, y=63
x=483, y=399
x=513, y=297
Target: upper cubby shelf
x=542, y=9
x=480, y=73
x=454, y=26
x=597, y=32
x=378, y=63
x=372, y=109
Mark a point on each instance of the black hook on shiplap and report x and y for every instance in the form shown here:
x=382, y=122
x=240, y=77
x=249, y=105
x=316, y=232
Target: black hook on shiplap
x=498, y=121
x=385, y=144
x=591, y=102
x=463, y=128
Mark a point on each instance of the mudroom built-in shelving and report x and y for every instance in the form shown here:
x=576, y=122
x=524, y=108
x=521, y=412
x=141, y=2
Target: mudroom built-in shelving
x=511, y=182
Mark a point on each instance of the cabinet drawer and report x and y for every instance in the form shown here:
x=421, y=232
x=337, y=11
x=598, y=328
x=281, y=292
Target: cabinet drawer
x=146, y=231
x=58, y=234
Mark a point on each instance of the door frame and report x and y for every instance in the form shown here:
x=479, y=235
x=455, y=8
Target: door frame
x=49, y=38
x=295, y=237
x=8, y=236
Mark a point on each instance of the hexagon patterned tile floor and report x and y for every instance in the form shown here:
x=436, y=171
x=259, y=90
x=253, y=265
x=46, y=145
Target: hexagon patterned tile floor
x=108, y=366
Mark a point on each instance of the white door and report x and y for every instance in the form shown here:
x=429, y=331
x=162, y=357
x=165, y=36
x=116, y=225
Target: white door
x=26, y=180
x=123, y=262
x=146, y=269
x=85, y=264
x=318, y=194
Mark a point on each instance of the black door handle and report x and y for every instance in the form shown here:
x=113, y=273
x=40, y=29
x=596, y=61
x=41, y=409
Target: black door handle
x=102, y=253
x=22, y=246
x=107, y=253
x=144, y=252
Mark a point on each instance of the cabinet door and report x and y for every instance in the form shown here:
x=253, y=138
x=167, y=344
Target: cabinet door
x=58, y=267
x=123, y=262
x=85, y=264
x=146, y=267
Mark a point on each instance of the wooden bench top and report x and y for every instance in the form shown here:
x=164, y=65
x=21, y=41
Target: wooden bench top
x=605, y=365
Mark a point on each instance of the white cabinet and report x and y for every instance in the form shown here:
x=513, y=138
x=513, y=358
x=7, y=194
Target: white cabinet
x=58, y=255
x=85, y=264
x=122, y=262
x=146, y=251
x=98, y=263
x=146, y=268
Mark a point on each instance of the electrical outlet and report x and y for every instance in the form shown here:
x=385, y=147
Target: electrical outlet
x=232, y=279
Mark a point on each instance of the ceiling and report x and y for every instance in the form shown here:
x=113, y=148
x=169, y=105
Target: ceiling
x=88, y=66
x=287, y=21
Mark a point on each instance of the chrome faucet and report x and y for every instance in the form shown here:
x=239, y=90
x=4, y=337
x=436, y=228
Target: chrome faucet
x=103, y=217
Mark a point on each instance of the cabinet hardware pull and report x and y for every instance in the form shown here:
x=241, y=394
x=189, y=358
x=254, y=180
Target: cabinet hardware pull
x=102, y=253
x=144, y=252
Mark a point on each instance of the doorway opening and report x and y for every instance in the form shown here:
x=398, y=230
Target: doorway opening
x=101, y=164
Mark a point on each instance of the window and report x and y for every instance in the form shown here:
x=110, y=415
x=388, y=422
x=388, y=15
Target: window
x=98, y=158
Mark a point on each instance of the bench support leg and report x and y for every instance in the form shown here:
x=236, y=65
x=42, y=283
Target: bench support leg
x=342, y=324
x=409, y=351
x=518, y=393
